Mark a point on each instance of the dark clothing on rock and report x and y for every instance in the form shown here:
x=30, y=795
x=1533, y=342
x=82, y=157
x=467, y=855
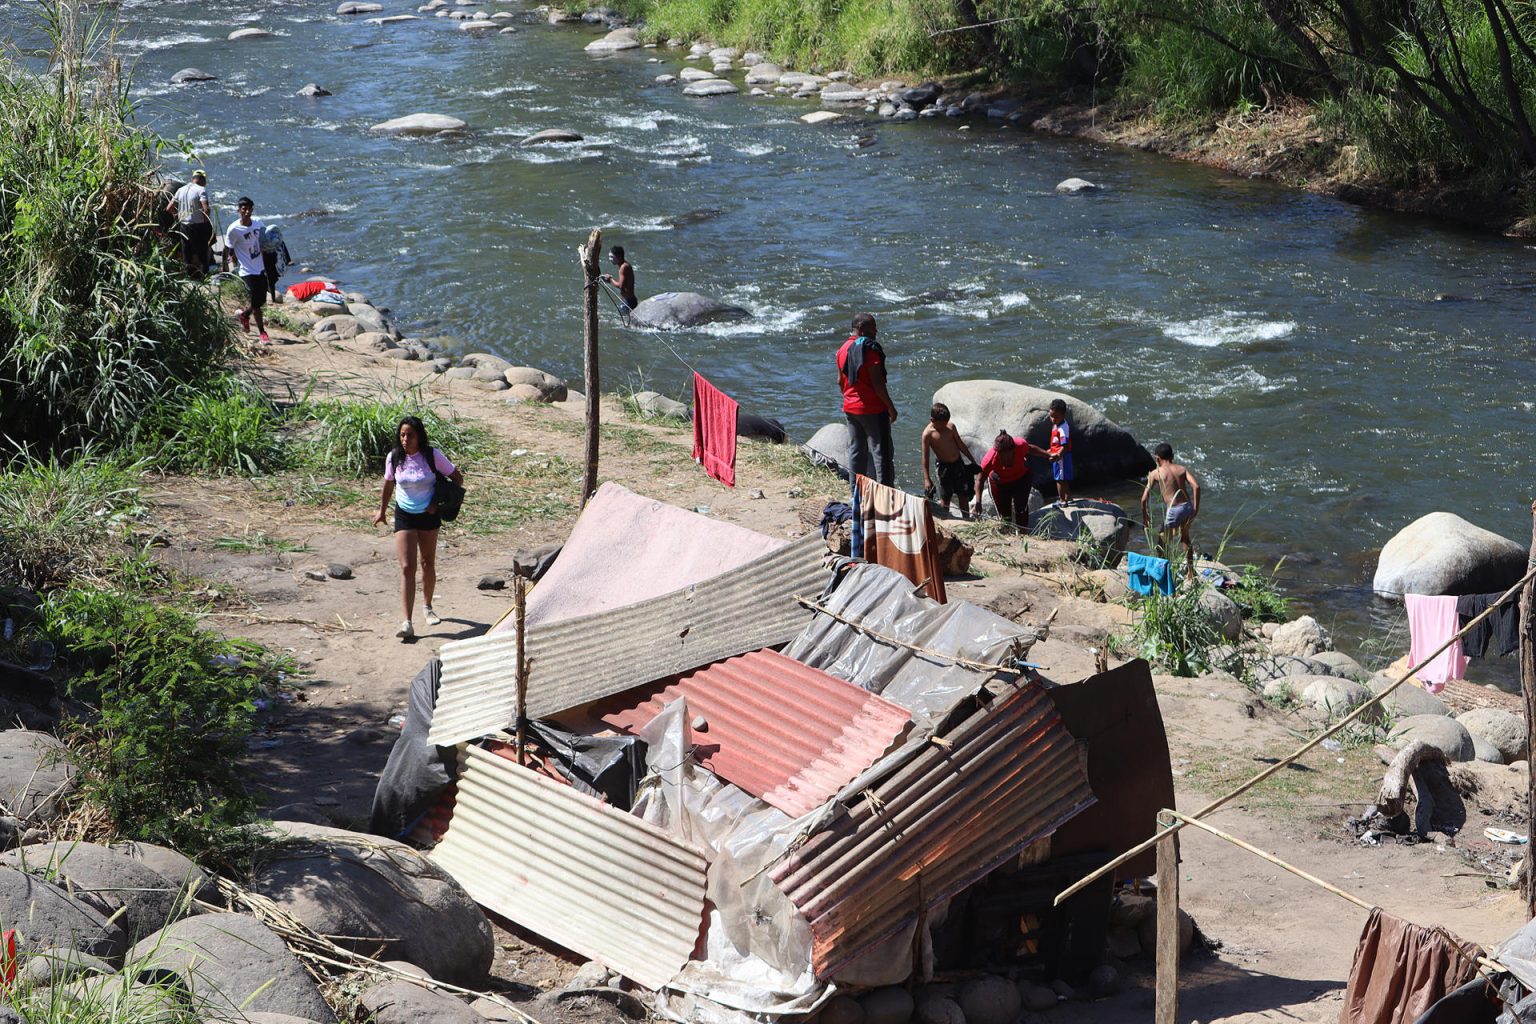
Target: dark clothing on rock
x=748, y=425
x=835, y=512
x=1498, y=634
x=870, y=452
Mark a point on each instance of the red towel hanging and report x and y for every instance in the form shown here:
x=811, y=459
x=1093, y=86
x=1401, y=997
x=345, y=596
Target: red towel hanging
x=714, y=431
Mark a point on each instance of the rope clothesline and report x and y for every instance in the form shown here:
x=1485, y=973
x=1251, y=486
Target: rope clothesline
x=1186, y=819
x=1284, y=762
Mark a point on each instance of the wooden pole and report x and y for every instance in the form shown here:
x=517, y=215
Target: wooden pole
x=590, y=276
x=1528, y=690
x=520, y=603
x=1167, y=991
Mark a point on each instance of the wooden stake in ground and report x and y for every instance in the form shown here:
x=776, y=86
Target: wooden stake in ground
x=1528, y=689
x=1167, y=991
x=520, y=604
x=590, y=275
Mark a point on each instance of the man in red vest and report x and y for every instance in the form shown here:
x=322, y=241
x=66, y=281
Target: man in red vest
x=866, y=403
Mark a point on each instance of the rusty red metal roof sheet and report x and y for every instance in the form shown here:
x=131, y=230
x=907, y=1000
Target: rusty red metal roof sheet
x=1001, y=779
x=780, y=730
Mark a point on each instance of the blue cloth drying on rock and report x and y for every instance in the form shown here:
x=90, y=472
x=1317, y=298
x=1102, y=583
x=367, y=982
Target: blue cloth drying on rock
x=1146, y=574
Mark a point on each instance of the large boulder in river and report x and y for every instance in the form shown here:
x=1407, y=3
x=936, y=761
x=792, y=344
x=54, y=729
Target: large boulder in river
x=233, y=963
x=549, y=135
x=186, y=75
x=420, y=124
x=671, y=310
x=829, y=447
x=1102, y=450
x=1442, y=553
x=618, y=39
x=380, y=894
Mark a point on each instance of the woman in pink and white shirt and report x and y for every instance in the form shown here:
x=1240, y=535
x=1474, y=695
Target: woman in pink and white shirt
x=410, y=480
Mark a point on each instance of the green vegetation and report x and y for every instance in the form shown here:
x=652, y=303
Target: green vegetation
x=223, y=426
x=351, y=436
x=96, y=318
x=1174, y=633
x=1258, y=594
x=163, y=753
x=61, y=521
x=1413, y=94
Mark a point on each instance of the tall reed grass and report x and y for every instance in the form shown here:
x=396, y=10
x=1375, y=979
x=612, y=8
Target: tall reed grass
x=96, y=318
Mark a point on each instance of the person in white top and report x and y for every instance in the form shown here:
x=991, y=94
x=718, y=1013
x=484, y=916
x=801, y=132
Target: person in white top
x=243, y=239
x=193, y=223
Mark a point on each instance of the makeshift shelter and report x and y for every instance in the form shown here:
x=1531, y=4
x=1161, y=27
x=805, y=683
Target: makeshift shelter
x=806, y=814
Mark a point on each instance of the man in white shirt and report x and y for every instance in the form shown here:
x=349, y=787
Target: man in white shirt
x=190, y=205
x=243, y=240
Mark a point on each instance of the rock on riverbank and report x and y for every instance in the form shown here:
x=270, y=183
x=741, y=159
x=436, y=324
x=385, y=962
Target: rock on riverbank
x=1442, y=553
x=1103, y=451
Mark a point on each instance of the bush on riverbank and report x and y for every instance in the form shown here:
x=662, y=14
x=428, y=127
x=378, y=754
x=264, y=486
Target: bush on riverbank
x=162, y=752
x=1425, y=94
x=96, y=317
x=61, y=518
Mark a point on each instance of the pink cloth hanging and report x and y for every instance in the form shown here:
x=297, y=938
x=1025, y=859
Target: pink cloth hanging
x=714, y=431
x=1431, y=622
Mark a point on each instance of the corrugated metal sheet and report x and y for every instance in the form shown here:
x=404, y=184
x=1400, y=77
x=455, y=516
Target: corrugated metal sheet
x=881, y=599
x=1005, y=777
x=665, y=548
x=577, y=661
x=790, y=734
x=567, y=866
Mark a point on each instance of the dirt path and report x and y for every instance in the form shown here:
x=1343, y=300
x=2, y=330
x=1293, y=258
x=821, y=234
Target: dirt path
x=1284, y=946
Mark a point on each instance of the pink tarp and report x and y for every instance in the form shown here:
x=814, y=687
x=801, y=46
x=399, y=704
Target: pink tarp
x=627, y=548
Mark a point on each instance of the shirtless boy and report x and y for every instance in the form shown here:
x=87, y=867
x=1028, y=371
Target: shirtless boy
x=1181, y=493
x=956, y=463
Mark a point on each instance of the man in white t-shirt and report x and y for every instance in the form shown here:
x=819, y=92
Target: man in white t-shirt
x=190, y=205
x=243, y=240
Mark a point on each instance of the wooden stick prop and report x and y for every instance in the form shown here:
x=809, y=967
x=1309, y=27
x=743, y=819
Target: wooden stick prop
x=591, y=278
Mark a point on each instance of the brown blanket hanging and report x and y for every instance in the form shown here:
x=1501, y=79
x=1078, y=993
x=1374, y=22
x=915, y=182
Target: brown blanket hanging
x=1402, y=969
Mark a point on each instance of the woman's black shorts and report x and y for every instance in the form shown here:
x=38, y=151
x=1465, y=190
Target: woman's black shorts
x=416, y=520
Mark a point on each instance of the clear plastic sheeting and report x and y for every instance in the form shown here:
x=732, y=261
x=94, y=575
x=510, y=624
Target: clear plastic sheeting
x=757, y=957
x=881, y=599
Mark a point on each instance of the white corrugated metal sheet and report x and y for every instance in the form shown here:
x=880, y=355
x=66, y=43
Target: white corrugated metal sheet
x=573, y=869
x=576, y=661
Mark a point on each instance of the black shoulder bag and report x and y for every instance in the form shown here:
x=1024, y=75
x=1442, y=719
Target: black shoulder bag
x=446, y=495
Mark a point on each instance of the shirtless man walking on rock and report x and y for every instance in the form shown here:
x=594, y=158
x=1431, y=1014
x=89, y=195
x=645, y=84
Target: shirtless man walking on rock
x=1181, y=493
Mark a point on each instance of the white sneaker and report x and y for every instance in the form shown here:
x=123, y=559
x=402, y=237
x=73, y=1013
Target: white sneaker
x=406, y=630
x=433, y=619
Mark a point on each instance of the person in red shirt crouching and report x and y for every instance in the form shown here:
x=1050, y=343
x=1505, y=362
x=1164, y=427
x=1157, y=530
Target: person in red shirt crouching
x=1006, y=468
x=866, y=403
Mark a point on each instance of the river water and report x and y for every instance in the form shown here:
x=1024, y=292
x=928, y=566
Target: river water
x=1290, y=347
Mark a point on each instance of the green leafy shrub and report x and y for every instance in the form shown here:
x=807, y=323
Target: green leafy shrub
x=163, y=754
x=97, y=319
x=352, y=436
x=1175, y=633
x=1258, y=594
x=61, y=518
x=226, y=426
